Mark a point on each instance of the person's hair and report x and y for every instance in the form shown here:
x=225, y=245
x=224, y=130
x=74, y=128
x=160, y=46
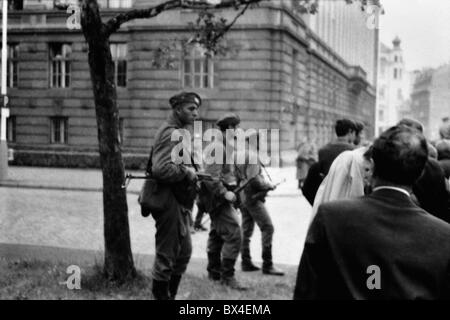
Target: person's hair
x=344, y=126
x=359, y=127
x=399, y=155
x=412, y=123
x=443, y=149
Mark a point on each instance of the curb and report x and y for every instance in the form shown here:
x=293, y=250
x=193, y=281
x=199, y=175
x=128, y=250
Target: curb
x=19, y=185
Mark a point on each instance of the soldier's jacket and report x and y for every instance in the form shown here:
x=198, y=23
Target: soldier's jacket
x=213, y=192
x=165, y=170
x=252, y=171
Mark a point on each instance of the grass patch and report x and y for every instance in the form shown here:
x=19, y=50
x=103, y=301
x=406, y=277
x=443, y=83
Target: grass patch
x=41, y=280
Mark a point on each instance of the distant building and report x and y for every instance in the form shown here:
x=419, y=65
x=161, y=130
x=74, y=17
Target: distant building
x=430, y=99
x=393, y=86
x=288, y=72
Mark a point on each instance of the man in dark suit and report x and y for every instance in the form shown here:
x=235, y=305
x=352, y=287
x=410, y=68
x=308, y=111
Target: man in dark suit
x=346, y=135
x=431, y=189
x=380, y=246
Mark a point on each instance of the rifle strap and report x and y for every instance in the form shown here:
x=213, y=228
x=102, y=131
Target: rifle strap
x=265, y=170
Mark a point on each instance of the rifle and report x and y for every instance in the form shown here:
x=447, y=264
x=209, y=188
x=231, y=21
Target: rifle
x=262, y=194
x=200, y=175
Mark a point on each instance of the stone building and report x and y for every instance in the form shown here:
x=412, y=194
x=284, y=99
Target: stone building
x=430, y=99
x=281, y=71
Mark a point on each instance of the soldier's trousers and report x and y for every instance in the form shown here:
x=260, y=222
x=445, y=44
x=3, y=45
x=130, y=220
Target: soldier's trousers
x=224, y=242
x=251, y=213
x=172, y=241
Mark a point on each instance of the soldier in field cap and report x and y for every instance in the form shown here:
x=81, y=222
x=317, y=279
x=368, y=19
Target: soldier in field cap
x=224, y=240
x=177, y=183
x=228, y=121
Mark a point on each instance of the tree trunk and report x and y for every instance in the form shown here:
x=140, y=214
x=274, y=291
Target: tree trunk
x=118, y=257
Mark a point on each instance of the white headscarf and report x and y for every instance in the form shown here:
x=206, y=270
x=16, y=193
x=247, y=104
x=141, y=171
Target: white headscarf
x=344, y=180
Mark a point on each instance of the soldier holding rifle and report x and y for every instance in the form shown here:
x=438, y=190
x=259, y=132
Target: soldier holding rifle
x=254, y=210
x=178, y=192
x=224, y=240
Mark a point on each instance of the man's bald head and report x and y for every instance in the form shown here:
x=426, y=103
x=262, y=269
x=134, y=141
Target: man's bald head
x=399, y=155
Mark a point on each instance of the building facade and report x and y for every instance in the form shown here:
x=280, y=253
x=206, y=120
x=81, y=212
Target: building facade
x=277, y=74
x=430, y=99
x=394, y=86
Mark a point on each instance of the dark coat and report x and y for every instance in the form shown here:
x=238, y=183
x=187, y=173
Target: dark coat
x=384, y=229
x=445, y=165
x=312, y=182
x=329, y=153
x=431, y=192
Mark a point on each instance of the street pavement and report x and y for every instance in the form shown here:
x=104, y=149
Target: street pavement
x=63, y=208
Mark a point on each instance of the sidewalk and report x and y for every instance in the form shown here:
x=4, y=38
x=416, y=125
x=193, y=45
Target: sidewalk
x=91, y=180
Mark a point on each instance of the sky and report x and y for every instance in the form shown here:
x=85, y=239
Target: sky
x=424, y=28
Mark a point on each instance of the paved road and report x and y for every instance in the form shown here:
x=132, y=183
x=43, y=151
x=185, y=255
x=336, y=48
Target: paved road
x=73, y=219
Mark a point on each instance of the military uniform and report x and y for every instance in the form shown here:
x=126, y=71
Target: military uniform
x=172, y=238
x=224, y=240
x=254, y=210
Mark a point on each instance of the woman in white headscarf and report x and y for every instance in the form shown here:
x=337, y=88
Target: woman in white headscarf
x=349, y=174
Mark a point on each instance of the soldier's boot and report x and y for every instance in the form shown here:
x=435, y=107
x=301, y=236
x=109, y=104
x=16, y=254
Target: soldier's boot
x=228, y=278
x=160, y=290
x=174, y=283
x=246, y=263
x=268, y=267
x=214, y=266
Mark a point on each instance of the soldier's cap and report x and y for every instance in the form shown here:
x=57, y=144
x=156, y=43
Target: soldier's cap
x=185, y=97
x=228, y=119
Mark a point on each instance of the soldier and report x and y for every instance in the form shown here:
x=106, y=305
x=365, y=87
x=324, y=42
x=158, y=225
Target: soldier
x=254, y=210
x=172, y=238
x=224, y=241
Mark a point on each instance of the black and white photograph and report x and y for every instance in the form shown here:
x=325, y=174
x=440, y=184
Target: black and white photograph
x=237, y=151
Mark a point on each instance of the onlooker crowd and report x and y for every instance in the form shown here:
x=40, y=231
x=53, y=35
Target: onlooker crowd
x=380, y=227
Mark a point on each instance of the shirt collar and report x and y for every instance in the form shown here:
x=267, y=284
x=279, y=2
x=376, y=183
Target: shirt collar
x=392, y=188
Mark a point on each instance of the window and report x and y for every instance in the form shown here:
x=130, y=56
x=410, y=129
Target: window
x=12, y=69
x=15, y=4
x=382, y=92
x=60, y=65
x=119, y=53
x=115, y=3
x=198, y=70
x=59, y=130
x=381, y=115
x=395, y=73
x=294, y=76
x=382, y=69
x=11, y=129
x=396, y=59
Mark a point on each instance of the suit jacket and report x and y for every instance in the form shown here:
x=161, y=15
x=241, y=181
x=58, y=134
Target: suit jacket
x=431, y=191
x=384, y=230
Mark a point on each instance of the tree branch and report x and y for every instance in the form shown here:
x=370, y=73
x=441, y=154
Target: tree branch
x=228, y=27
x=114, y=23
